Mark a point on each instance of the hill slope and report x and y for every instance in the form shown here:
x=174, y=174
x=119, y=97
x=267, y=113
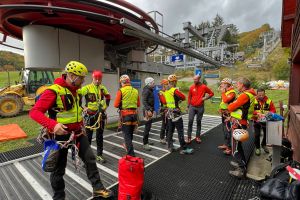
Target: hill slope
x=11, y=61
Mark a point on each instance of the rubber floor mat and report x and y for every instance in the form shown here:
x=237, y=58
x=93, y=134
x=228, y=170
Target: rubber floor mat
x=203, y=175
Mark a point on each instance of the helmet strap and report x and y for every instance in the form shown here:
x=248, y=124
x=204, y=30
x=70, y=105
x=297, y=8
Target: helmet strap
x=72, y=81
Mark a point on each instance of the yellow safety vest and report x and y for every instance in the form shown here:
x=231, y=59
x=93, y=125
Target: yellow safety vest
x=163, y=94
x=67, y=106
x=129, y=97
x=224, y=106
x=93, y=96
x=246, y=111
x=169, y=95
x=262, y=109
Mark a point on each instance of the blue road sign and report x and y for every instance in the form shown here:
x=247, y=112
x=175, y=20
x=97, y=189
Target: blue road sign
x=198, y=72
x=136, y=83
x=177, y=57
x=156, y=97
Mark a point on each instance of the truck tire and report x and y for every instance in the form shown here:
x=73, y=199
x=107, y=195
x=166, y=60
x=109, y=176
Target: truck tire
x=10, y=105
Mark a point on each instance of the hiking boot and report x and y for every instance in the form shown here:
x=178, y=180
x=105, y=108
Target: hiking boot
x=146, y=147
x=223, y=147
x=188, y=141
x=234, y=164
x=257, y=152
x=105, y=193
x=100, y=158
x=238, y=172
x=187, y=151
x=198, y=140
x=227, y=151
x=163, y=141
x=265, y=148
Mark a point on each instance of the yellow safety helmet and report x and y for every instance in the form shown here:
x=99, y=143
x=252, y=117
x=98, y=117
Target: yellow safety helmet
x=172, y=78
x=76, y=68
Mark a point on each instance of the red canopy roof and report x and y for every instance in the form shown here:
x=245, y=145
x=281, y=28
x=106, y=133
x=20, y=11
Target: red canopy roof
x=99, y=19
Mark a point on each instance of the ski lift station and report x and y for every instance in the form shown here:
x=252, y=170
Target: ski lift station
x=115, y=37
x=111, y=36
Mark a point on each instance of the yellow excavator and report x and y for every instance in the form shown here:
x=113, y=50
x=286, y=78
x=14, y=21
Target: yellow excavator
x=14, y=97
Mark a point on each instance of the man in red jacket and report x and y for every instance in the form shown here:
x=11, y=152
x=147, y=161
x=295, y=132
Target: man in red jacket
x=196, y=97
x=62, y=101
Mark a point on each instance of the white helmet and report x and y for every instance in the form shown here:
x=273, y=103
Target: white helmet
x=124, y=79
x=241, y=135
x=227, y=80
x=149, y=81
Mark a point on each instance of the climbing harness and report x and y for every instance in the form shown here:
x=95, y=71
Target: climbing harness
x=52, y=147
x=88, y=117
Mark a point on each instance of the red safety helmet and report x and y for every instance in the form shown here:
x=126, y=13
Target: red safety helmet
x=164, y=82
x=97, y=74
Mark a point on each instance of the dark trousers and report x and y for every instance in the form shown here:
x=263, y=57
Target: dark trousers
x=171, y=128
x=147, y=129
x=198, y=111
x=99, y=134
x=128, y=132
x=87, y=156
x=238, y=151
x=257, y=129
x=227, y=131
x=164, y=126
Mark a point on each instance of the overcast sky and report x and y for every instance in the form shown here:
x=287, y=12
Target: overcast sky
x=246, y=14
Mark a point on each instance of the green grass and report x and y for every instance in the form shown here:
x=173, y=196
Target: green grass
x=30, y=127
x=14, y=76
x=212, y=108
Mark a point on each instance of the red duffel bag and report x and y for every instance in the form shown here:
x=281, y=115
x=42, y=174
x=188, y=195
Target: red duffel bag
x=131, y=178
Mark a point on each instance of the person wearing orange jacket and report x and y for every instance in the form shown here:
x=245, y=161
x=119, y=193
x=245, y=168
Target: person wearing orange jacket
x=127, y=100
x=262, y=106
x=228, y=96
x=241, y=110
x=196, y=97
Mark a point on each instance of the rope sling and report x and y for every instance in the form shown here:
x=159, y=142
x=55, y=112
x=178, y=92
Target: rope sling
x=70, y=143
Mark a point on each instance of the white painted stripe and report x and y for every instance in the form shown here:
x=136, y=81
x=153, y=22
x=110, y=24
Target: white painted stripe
x=107, y=153
x=151, y=133
x=213, y=116
x=194, y=127
x=31, y=180
x=154, y=147
x=79, y=180
x=175, y=132
x=136, y=151
x=111, y=172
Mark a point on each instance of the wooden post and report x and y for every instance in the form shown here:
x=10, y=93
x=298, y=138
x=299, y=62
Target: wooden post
x=281, y=113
